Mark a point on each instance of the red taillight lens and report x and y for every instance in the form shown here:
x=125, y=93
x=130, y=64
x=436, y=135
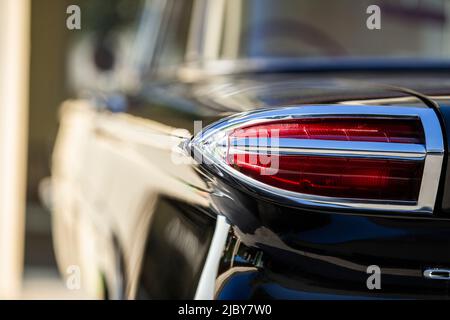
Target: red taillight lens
x=337, y=176
x=356, y=177
x=339, y=129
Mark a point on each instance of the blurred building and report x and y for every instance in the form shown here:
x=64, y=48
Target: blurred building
x=63, y=64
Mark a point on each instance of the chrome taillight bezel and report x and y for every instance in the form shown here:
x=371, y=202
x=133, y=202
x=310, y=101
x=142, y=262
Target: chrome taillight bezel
x=432, y=152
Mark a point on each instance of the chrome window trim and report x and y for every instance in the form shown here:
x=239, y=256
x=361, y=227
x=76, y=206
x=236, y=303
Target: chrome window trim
x=433, y=153
x=148, y=32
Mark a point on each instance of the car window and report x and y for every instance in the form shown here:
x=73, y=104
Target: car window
x=322, y=28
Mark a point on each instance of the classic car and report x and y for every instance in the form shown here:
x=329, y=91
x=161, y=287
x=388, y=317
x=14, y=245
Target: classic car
x=263, y=150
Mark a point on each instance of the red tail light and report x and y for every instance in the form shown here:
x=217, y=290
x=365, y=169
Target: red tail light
x=344, y=177
x=349, y=156
x=339, y=129
x=339, y=176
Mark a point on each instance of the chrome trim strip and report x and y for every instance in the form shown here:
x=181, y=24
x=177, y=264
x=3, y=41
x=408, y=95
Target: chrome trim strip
x=330, y=148
x=430, y=181
x=206, y=285
x=205, y=67
x=433, y=152
x=434, y=274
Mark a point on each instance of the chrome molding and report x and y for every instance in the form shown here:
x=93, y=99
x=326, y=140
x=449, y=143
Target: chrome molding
x=206, y=285
x=432, y=152
x=437, y=274
x=203, y=66
x=332, y=148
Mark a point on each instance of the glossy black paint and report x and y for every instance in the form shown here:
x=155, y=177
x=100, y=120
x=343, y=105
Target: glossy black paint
x=175, y=251
x=306, y=253
x=334, y=250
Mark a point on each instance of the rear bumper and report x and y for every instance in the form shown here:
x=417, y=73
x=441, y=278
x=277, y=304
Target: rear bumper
x=266, y=272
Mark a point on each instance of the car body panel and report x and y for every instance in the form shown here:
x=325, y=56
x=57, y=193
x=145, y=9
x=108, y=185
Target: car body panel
x=126, y=179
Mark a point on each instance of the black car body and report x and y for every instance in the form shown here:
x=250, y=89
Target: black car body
x=144, y=218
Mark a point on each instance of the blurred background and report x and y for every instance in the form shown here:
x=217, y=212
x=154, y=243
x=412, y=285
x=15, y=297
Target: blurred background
x=62, y=63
